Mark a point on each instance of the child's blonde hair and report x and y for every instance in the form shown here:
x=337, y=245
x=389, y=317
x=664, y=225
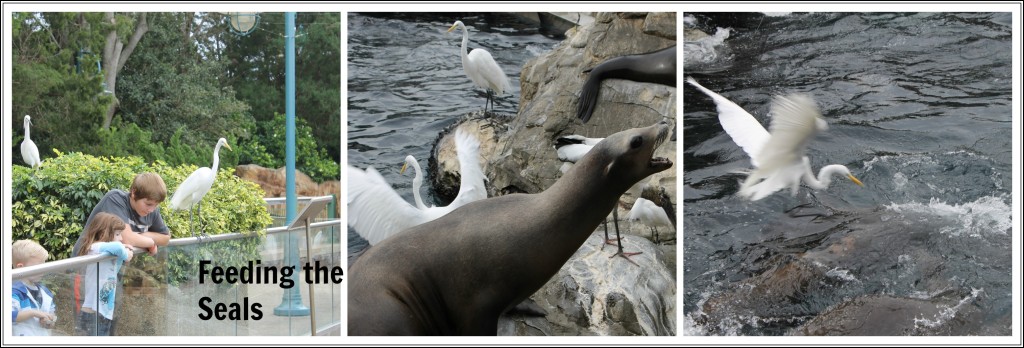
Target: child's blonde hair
x=104, y=228
x=24, y=250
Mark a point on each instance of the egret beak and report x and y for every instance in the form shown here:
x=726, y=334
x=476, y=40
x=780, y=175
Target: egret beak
x=452, y=28
x=854, y=179
x=405, y=165
x=228, y=146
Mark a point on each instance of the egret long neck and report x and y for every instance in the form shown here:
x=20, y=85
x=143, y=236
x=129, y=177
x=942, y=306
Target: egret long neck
x=216, y=158
x=463, y=51
x=27, y=128
x=824, y=176
x=417, y=182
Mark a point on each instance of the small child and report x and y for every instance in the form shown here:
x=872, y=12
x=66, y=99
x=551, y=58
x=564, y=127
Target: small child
x=99, y=285
x=32, y=303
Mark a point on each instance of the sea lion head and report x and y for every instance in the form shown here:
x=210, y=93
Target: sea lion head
x=630, y=154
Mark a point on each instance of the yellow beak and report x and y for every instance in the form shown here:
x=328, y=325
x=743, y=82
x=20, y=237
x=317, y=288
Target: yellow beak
x=452, y=28
x=854, y=179
x=228, y=146
x=406, y=165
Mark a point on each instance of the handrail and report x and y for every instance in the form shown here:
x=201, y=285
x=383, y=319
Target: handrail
x=48, y=267
x=68, y=263
x=281, y=200
x=236, y=235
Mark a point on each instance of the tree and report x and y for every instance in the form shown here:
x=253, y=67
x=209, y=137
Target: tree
x=55, y=78
x=116, y=54
x=256, y=71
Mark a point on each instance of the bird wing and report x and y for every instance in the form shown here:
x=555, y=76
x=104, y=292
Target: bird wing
x=795, y=121
x=637, y=212
x=573, y=153
x=30, y=153
x=192, y=189
x=471, y=184
x=738, y=123
x=375, y=210
x=487, y=70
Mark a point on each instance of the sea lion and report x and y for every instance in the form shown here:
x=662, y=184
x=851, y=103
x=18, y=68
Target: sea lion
x=456, y=275
x=655, y=67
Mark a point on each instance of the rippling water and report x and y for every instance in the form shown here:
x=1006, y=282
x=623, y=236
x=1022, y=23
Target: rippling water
x=919, y=107
x=406, y=83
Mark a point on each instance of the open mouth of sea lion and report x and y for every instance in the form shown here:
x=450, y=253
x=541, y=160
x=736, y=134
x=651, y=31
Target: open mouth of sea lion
x=660, y=163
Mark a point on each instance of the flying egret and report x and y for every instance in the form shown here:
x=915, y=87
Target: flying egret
x=192, y=190
x=650, y=214
x=377, y=212
x=779, y=157
x=481, y=68
x=29, y=151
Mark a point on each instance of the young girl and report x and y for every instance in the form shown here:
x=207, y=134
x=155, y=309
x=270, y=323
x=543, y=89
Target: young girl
x=99, y=285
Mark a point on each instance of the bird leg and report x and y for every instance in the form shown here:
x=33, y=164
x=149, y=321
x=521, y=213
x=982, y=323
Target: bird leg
x=654, y=232
x=621, y=253
x=489, y=101
x=191, y=223
x=199, y=211
x=607, y=241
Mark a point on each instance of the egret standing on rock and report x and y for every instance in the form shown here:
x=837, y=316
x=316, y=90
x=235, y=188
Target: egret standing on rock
x=29, y=151
x=192, y=190
x=779, y=158
x=649, y=214
x=481, y=68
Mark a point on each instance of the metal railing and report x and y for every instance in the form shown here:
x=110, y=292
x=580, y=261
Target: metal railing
x=78, y=261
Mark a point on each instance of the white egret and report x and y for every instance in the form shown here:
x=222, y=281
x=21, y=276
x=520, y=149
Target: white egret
x=779, y=157
x=481, y=68
x=377, y=212
x=29, y=151
x=649, y=214
x=192, y=190
x=571, y=148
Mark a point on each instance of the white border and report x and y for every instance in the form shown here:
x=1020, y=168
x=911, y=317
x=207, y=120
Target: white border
x=681, y=8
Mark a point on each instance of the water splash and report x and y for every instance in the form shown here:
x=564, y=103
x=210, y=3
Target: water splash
x=990, y=214
x=947, y=313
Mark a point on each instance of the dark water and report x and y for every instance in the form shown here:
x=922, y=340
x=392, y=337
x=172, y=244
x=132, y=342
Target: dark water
x=919, y=108
x=406, y=83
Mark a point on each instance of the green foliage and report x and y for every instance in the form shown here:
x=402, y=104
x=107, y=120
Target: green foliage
x=52, y=204
x=126, y=140
x=310, y=157
x=66, y=106
x=171, y=91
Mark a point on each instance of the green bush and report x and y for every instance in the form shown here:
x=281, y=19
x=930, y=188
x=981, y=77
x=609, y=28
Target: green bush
x=310, y=157
x=52, y=204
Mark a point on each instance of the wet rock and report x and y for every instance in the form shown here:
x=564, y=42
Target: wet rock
x=884, y=315
x=595, y=294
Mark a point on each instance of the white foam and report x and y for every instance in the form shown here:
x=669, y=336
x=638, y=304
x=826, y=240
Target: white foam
x=841, y=274
x=986, y=215
x=947, y=313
